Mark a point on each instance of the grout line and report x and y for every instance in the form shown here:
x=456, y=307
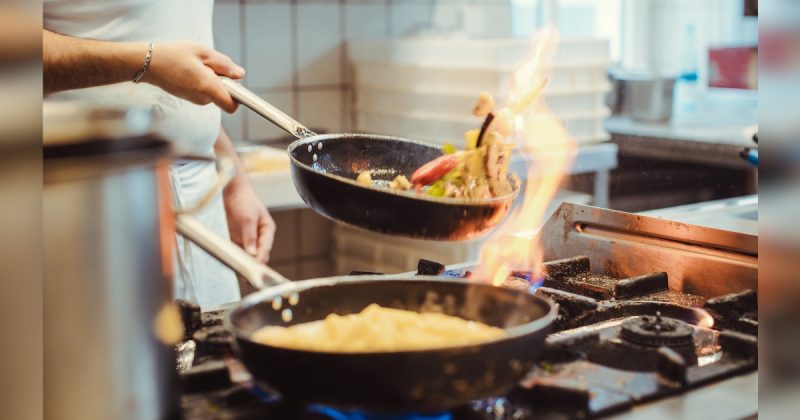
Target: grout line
x=295, y=61
x=343, y=68
x=388, y=18
x=243, y=49
x=298, y=234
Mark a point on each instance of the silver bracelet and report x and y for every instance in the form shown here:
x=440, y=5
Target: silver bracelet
x=146, y=65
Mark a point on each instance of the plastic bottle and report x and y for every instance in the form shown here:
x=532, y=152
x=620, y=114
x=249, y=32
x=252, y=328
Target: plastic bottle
x=686, y=83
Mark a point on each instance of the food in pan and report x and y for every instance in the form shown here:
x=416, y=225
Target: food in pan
x=400, y=182
x=379, y=329
x=480, y=171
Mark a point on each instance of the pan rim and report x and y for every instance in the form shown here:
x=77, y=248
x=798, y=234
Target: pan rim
x=264, y=295
x=440, y=200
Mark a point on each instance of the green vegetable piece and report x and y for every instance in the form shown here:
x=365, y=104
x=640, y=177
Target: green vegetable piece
x=436, y=189
x=448, y=149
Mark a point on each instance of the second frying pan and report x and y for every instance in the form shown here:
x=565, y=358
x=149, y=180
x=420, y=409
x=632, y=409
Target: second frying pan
x=423, y=381
x=324, y=169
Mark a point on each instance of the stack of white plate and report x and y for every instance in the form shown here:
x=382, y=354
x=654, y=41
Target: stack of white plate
x=360, y=250
x=426, y=88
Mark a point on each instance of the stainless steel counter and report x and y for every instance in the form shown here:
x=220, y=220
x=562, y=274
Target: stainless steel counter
x=712, y=135
x=739, y=214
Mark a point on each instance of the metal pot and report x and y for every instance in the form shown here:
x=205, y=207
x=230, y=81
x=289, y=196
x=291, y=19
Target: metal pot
x=643, y=96
x=109, y=323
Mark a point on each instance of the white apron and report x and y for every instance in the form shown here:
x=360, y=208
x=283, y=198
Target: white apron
x=193, y=128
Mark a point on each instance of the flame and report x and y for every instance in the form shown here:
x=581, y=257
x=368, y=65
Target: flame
x=548, y=150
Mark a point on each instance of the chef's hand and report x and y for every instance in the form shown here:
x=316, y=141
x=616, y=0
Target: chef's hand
x=189, y=70
x=250, y=225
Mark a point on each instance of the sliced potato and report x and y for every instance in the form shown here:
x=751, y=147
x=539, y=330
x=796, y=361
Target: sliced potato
x=365, y=178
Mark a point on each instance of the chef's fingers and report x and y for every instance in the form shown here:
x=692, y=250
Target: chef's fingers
x=219, y=95
x=266, y=236
x=249, y=232
x=222, y=64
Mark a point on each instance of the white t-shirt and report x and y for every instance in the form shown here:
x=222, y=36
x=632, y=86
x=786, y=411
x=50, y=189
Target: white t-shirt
x=193, y=128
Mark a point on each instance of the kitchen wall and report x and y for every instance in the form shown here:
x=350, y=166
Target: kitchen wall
x=295, y=55
x=295, y=50
x=657, y=31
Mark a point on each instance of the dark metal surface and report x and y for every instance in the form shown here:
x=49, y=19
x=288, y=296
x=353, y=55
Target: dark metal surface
x=698, y=260
x=324, y=176
x=422, y=381
x=587, y=370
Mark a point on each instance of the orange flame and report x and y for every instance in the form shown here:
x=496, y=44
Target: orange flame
x=549, y=151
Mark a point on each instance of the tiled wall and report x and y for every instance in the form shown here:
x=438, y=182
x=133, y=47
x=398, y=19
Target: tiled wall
x=302, y=247
x=295, y=54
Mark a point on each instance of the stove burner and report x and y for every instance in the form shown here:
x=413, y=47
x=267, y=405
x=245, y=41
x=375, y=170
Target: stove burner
x=335, y=414
x=608, y=351
x=656, y=331
x=212, y=341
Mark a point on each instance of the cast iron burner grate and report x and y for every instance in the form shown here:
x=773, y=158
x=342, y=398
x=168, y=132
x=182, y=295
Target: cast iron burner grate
x=617, y=343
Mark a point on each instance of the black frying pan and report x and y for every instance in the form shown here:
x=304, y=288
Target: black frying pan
x=421, y=381
x=324, y=169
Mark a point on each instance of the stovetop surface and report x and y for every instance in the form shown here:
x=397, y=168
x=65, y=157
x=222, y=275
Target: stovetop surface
x=617, y=343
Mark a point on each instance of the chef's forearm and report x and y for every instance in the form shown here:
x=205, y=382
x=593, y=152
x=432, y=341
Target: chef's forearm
x=224, y=147
x=73, y=63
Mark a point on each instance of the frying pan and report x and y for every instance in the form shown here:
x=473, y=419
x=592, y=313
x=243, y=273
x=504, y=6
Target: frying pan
x=418, y=381
x=324, y=169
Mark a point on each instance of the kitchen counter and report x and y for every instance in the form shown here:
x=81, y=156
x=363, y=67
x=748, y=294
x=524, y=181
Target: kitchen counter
x=273, y=182
x=739, y=214
x=713, y=135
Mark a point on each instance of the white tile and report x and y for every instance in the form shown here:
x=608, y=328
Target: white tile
x=260, y=129
x=319, y=43
x=268, y=51
x=315, y=234
x=449, y=15
x=496, y=21
x=285, y=247
x=228, y=30
x=365, y=21
x=322, y=111
x=406, y=17
x=234, y=124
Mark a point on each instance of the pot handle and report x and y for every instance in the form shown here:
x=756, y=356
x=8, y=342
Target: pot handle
x=261, y=107
x=227, y=252
x=225, y=173
x=218, y=247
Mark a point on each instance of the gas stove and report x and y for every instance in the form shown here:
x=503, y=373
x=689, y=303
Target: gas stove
x=657, y=342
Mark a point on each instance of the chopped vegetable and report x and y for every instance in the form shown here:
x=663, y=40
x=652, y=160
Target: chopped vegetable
x=479, y=171
x=437, y=189
x=484, y=127
x=471, y=138
x=400, y=182
x=484, y=106
x=365, y=178
x=434, y=170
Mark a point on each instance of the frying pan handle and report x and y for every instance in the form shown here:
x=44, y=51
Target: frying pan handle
x=227, y=252
x=261, y=107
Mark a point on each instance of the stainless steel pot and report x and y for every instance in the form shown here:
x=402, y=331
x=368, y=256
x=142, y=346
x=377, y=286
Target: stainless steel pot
x=643, y=96
x=109, y=324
